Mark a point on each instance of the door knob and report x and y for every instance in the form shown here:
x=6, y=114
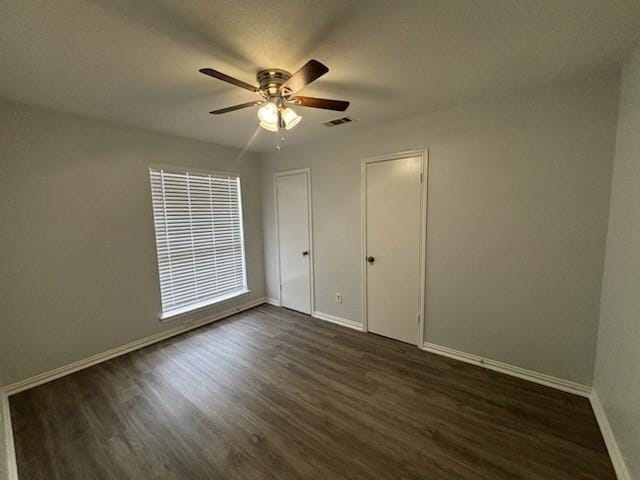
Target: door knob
x=371, y=260
x=305, y=253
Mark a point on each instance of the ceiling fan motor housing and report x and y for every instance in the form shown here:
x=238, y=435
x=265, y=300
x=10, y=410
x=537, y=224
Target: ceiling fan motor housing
x=271, y=79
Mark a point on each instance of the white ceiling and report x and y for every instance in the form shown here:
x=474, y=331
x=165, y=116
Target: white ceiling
x=137, y=61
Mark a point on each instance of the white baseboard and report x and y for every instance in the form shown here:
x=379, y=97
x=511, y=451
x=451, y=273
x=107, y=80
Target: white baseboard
x=10, y=451
x=617, y=459
x=129, y=347
x=338, y=320
x=536, y=377
x=273, y=301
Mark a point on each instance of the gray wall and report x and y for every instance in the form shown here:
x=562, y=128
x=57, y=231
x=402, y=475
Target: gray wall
x=4, y=472
x=3, y=461
x=617, y=374
x=517, y=218
x=79, y=273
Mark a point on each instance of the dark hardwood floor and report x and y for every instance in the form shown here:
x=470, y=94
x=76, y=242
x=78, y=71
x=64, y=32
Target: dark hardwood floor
x=272, y=394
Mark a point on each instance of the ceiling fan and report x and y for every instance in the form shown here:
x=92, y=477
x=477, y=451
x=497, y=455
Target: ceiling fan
x=278, y=89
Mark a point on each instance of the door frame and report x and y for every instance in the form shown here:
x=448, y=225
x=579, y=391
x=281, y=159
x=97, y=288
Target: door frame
x=423, y=154
x=286, y=173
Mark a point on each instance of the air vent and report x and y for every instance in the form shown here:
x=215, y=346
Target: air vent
x=338, y=121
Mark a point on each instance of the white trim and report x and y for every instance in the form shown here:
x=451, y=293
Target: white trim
x=530, y=375
x=622, y=472
x=423, y=154
x=196, y=307
x=286, y=173
x=272, y=301
x=424, y=218
x=202, y=171
x=345, y=322
x=10, y=451
x=129, y=347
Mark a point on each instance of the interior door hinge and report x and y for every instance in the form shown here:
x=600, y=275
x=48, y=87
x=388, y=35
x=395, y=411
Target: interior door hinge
x=421, y=177
x=418, y=319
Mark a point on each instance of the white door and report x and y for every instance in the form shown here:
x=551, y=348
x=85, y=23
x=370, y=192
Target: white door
x=392, y=244
x=292, y=205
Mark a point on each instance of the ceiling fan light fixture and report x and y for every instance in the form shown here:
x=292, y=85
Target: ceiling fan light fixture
x=268, y=114
x=272, y=127
x=290, y=118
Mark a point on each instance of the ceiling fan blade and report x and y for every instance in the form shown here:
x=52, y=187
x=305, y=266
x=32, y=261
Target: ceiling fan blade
x=237, y=107
x=327, y=104
x=312, y=70
x=226, y=78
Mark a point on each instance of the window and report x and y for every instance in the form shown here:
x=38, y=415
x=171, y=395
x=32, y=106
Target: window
x=199, y=238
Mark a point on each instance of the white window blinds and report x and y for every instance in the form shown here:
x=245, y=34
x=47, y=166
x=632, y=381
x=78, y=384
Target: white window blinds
x=199, y=238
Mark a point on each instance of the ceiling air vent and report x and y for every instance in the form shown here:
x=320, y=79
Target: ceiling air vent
x=338, y=121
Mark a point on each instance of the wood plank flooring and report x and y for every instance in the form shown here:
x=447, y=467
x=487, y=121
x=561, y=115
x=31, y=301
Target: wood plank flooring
x=272, y=394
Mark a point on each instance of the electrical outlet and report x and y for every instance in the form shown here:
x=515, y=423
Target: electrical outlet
x=338, y=297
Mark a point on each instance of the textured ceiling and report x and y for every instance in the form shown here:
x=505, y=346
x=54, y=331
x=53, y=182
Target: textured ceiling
x=137, y=61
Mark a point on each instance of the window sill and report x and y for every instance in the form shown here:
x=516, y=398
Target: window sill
x=197, y=307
